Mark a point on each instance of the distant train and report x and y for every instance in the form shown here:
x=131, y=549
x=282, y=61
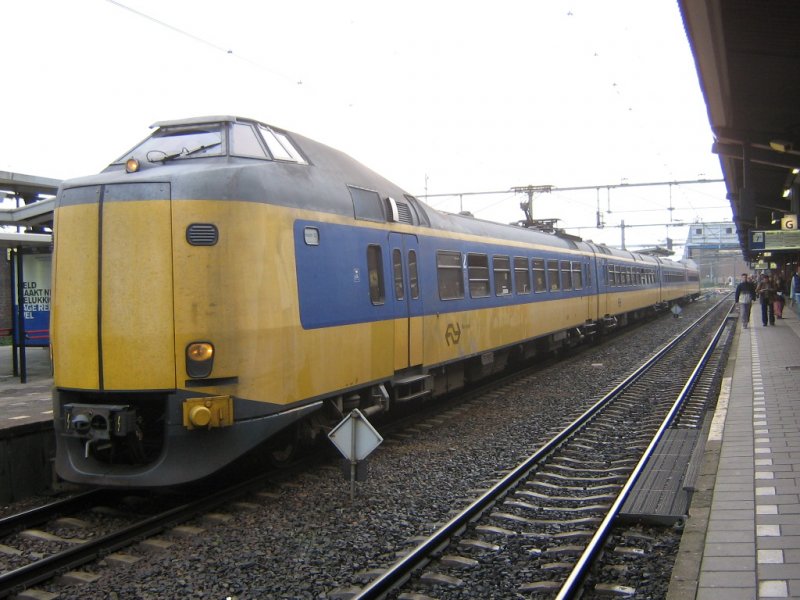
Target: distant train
x=226, y=283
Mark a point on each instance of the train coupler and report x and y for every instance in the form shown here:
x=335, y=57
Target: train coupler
x=99, y=421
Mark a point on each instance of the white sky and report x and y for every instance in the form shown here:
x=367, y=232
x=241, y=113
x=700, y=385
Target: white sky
x=458, y=96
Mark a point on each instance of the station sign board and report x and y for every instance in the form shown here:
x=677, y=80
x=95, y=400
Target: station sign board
x=775, y=240
x=763, y=265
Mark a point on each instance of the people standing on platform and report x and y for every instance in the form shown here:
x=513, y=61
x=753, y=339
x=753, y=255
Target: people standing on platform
x=794, y=291
x=766, y=294
x=780, y=291
x=745, y=296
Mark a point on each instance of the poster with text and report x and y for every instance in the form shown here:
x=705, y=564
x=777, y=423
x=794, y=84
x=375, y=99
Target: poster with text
x=36, y=270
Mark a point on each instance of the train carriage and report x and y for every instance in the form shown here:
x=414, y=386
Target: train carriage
x=226, y=284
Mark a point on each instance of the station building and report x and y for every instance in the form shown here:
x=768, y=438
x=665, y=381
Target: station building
x=714, y=247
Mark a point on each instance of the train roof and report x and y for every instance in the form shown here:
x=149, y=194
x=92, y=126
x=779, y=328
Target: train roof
x=327, y=176
x=204, y=121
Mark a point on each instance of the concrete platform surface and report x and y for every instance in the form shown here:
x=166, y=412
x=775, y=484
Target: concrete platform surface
x=742, y=538
x=30, y=402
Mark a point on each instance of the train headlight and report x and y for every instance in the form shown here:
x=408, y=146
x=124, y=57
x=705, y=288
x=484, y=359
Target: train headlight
x=199, y=359
x=131, y=165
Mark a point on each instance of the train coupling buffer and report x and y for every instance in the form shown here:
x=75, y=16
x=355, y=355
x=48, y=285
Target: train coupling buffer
x=355, y=438
x=208, y=412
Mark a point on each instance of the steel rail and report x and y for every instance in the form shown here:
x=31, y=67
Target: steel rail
x=42, y=514
x=401, y=570
x=41, y=570
x=572, y=585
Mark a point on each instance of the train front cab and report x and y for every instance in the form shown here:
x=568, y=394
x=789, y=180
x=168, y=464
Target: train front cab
x=145, y=394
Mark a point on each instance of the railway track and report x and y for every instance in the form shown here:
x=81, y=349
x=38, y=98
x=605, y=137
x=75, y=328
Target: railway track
x=66, y=534
x=537, y=531
x=59, y=556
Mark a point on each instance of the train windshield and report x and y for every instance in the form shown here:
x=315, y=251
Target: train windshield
x=179, y=143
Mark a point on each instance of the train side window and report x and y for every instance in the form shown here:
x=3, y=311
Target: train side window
x=311, y=236
x=377, y=292
x=552, y=275
x=245, y=143
x=566, y=275
x=367, y=205
x=280, y=146
x=502, y=275
x=413, y=276
x=539, y=280
x=522, y=275
x=450, y=275
x=577, y=276
x=478, y=275
x=588, y=276
x=287, y=145
x=397, y=270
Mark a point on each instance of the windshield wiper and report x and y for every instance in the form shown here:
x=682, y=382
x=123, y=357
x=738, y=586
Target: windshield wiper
x=182, y=153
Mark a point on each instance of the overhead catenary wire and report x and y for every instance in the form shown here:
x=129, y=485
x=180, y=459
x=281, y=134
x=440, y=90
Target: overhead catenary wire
x=584, y=187
x=172, y=27
x=225, y=50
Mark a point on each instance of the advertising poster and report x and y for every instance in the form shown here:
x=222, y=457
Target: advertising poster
x=36, y=299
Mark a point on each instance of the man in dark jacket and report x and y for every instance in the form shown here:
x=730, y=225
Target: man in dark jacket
x=745, y=296
x=766, y=293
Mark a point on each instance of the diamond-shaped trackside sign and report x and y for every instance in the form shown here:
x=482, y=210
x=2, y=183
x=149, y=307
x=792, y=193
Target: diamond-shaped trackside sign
x=355, y=437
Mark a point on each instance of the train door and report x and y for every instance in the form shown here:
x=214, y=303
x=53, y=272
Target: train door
x=602, y=287
x=595, y=284
x=590, y=285
x=407, y=299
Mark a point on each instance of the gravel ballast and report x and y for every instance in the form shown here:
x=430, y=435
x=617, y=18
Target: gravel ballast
x=305, y=539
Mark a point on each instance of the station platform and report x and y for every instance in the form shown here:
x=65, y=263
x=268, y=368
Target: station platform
x=742, y=537
x=30, y=402
x=27, y=443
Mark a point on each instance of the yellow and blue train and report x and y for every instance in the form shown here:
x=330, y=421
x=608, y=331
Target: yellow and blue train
x=227, y=285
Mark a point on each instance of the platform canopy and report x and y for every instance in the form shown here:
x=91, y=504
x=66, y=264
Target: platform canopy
x=36, y=197
x=748, y=61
